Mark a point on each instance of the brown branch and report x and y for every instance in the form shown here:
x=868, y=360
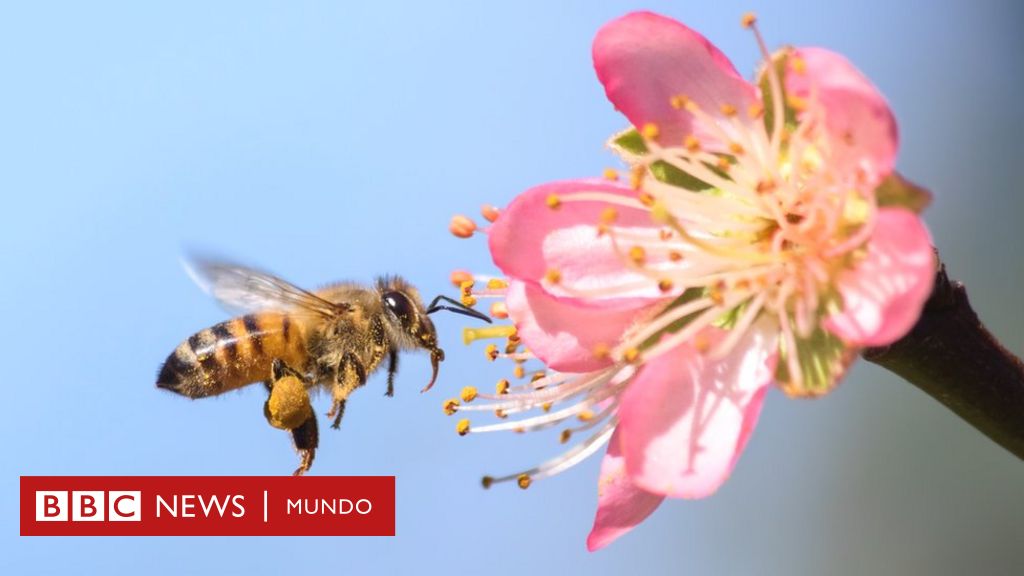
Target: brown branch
x=952, y=357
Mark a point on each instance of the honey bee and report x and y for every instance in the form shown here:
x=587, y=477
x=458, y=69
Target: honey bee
x=294, y=340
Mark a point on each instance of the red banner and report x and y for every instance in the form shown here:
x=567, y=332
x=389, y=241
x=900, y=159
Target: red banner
x=207, y=506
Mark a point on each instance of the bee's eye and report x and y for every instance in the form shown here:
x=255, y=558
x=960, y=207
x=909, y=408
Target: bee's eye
x=399, y=304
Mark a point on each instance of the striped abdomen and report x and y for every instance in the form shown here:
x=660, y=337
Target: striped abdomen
x=233, y=354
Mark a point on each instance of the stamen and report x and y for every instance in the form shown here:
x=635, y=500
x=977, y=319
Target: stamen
x=610, y=174
x=462, y=427
x=470, y=335
x=461, y=226
x=468, y=394
x=490, y=213
x=451, y=406
x=553, y=202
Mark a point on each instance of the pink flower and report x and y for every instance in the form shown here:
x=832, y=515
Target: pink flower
x=749, y=247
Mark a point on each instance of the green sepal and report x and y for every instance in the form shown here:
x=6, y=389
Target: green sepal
x=669, y=174
x=822, y=357
x=688, y=295
x=898, y=191
x=628, y=143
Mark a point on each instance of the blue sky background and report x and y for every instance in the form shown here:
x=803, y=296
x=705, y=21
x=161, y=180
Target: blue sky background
x=332, y=141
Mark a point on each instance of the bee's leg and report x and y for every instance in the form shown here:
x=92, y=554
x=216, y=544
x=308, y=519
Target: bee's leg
x=392, y=370
x=306, y=438
x=350, y=375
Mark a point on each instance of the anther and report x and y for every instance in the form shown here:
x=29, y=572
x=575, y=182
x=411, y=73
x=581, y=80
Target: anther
x=467, y=286
x=765, y=186
x=692, y=144
x=646, y=199
x=728, y=110
x=459, y=277
x=602, y=351
x=585, y=415
x=675, y=256
x=650, y=130
x=553, y=276
x=499, y=310
x=546, y=407
x=797, y=65
x=499, y=413
x=755, y=110
x=748, y=19
x=496, y=284
x=490, y=213
x=665, y=285
x=631, y=355
x=678, y=101
x=638, y=255
x=736, y=148
x=462, y=428
x=565, y=436
x=610, y=174
x=796, y=103
x=636, y=177
x=468, y=394
x=451, y=406
x=486, y=482
x=469, y=300
x=491, y=351
x=608, y=215
x=461, y=226
x=524, y=481
x=723, y=163
x=519, y=371
x=501, y=387
x=553, y=201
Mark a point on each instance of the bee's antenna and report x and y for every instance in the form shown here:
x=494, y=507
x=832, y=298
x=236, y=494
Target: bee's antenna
x=459, y=308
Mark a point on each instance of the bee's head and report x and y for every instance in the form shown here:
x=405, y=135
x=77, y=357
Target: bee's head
x=408, y=319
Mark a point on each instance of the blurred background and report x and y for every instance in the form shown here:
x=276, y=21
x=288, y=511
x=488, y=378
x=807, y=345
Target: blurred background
x=329, y=141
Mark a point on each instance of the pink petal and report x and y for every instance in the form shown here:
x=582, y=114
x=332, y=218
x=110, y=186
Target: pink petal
x=644, y=60
x=685, y=419
x=620, y=504
x=564, y=333
x=884, y=294
x=861, y=126
x=530, y=238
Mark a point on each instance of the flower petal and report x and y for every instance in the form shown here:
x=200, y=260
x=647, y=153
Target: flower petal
x=862, y=129
x=565, y=333
x=685, y=419
x=644, y=60
x=620, y=504
x=884, y=294
x=531, y=238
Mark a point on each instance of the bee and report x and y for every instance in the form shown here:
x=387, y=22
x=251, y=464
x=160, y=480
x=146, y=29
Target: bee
x=293, y=340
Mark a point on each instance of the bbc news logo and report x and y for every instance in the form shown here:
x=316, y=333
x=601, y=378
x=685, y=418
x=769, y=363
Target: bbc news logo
x=207, y=506
x=88, y=506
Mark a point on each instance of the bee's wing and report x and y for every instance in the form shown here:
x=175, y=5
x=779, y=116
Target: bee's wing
x=247, y=289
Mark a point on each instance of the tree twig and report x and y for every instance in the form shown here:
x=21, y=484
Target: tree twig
x=952, y=357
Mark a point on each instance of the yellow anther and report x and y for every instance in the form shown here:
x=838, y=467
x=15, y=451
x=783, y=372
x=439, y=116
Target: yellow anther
x=565, y=436
x=798, y=65
x=468, y=394
x=736, y=148
x=524, y=481
x=636, y=177
x=461, y=226
x=537, y=376
x=486, y=482
x=692, y=144
x=665, y=285
x=467, y=286
x=546, y=406
x=678, y=101
x=646, y=199
x=665, y=234
x=609, y=215
x=748, y=19
x=451, y=406
x=553, y=276
x=716, y=293
x=638, y=255
x=462, y=427
x=728, y=110
x=491, y=351
x=650, y=130
x=553, y=201
x=490, y=213
x=499, y=413
x=501, y=387
x=660, y=213
x=796, y=103
x=675, y=256
x=496, y=284
x=631, y=355
x=585, y=415
x=755, y=110
x=610, y=174
x=602, y=351
x=499, y=310
x=701, y=343
x=459, y=277
x=519, y=371
x=723, y=164
x=519, y=430
x=469, y=300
